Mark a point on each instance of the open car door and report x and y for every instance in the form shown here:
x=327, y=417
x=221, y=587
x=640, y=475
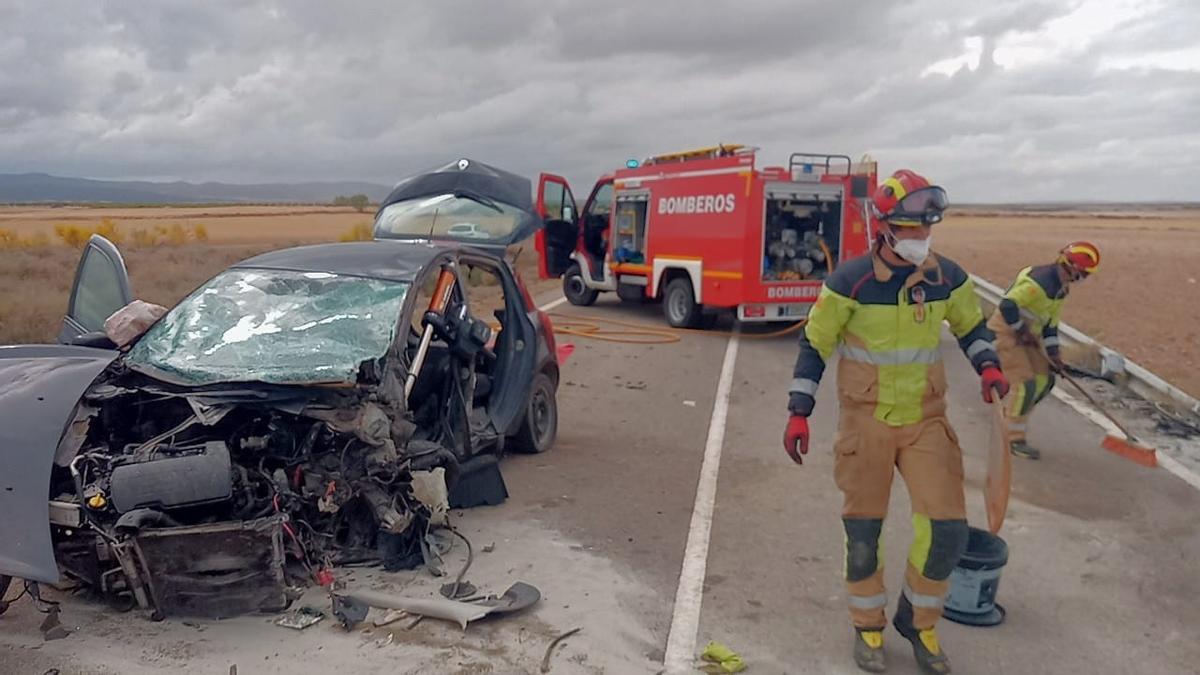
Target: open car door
x=558, y=239
x=101, y=287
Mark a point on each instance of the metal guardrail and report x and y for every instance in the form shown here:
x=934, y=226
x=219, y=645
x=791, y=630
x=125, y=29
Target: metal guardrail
x=1143, y=382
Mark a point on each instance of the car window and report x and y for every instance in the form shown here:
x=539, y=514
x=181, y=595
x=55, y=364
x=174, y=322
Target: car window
x=554, y=200
x=602, y=204
x=99, y=293
x=485, y=292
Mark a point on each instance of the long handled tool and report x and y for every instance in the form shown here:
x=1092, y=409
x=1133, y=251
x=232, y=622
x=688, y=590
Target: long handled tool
x=1129, y=447
x=998, y=485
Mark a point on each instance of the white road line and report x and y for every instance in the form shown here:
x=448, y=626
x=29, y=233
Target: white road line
x=552, y=304
x=1164, y=460
x=685, y=620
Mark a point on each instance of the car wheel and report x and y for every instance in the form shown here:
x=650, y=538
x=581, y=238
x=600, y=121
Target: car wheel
x=576, y=290
x=540, y=425
x=679, y=304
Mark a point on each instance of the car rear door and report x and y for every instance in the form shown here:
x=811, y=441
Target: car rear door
x=557, y=240
x=101, y=287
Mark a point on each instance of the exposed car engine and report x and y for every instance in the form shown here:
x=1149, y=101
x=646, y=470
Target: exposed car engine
x=286, y=481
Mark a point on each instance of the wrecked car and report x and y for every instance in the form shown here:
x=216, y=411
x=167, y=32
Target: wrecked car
x=272, y=425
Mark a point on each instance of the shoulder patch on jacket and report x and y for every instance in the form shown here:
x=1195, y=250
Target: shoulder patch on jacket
x=850, y=275
x=1047, y=277
x=954, y=275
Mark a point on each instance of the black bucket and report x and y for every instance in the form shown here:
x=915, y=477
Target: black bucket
x=973, y=584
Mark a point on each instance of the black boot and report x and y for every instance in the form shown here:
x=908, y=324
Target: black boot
x=1023, y=449
x=868, y=649
x=926, y=650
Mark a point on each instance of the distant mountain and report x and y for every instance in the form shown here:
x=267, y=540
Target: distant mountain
x=40, y=187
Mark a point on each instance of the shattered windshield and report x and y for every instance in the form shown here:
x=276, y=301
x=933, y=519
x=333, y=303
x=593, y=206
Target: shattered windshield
x=249, y=325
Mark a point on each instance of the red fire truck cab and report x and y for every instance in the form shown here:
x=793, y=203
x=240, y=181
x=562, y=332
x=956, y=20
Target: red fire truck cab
x=706, y=231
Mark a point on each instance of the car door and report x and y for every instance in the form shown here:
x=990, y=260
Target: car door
x=560, y=235
x=101, y=287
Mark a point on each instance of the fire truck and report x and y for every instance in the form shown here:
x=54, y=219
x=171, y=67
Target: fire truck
x=707, y=231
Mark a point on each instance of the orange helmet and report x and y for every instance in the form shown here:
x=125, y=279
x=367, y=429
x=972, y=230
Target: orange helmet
x=909, y=199
x=1081, y=257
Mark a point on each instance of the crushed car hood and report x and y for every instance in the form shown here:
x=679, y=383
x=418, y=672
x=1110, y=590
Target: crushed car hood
x=39, y=388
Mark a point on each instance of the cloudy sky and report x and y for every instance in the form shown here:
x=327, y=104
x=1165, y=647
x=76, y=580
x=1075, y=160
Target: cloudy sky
x=1006, y=100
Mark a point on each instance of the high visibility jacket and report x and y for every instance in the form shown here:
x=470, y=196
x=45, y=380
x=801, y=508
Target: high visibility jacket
x=885, y=323
x=1035, y=301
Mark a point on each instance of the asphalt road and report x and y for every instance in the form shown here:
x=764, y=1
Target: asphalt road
x=1101, y=577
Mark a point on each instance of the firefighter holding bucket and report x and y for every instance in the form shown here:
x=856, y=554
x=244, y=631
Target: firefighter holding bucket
x=882, y=314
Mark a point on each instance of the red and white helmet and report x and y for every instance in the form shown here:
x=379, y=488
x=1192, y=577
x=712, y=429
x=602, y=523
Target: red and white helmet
x=1080, y=257
x=908, y=199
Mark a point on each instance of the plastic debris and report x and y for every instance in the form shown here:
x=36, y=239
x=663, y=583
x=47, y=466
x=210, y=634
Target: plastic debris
x=724, y=659
x=301, y=618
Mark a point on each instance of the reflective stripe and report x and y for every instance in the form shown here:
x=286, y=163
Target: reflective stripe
x=803, y=386
x=897, y=357
x=1051, y=341
x=978, y=347
x=1018, y=325
x=869, y=602
x=919, y=600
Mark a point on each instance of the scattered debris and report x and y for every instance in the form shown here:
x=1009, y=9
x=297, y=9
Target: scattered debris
x=722, y=658
x=690, y=404
x=392, y=616
x=383, y=642
x=52, y=628
x=299, y=619
x=554, y=643
x=635, y=385
x=348, y=611
x=459, y=590
x=353, y=604
x=490, y=547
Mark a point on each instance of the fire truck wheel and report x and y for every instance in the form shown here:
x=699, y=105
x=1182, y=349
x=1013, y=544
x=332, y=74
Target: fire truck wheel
x=576, y=290
x=540, y=425
x=679, y=304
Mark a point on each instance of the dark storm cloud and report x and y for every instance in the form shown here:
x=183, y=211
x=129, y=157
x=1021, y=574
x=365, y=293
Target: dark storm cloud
x=267, y=91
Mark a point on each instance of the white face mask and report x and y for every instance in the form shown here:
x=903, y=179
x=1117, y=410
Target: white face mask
x=914, y=251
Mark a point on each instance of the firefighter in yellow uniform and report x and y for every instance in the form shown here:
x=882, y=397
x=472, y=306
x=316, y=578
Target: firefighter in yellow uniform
x=882, y=314
x=1026, y=327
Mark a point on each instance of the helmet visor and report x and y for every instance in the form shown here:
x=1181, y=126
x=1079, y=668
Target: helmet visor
x=922, y=207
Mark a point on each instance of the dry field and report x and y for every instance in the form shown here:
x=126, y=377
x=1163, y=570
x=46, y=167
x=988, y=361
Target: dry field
x=1144, y=301
x=37, y=280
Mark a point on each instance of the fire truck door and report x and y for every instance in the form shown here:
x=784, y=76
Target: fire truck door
x=557, y=240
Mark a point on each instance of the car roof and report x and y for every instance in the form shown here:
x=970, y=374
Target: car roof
x=378, y=259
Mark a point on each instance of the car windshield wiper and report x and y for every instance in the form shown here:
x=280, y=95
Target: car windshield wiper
x=480, y=199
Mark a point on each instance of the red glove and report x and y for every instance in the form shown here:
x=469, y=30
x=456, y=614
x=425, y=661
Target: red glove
x=993, y=381
x=795, y=439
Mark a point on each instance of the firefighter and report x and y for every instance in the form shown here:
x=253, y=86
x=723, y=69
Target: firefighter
x=882, y=313
x=1026, y=327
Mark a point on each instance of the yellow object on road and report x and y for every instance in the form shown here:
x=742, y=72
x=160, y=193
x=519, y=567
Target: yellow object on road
x=725, y=658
